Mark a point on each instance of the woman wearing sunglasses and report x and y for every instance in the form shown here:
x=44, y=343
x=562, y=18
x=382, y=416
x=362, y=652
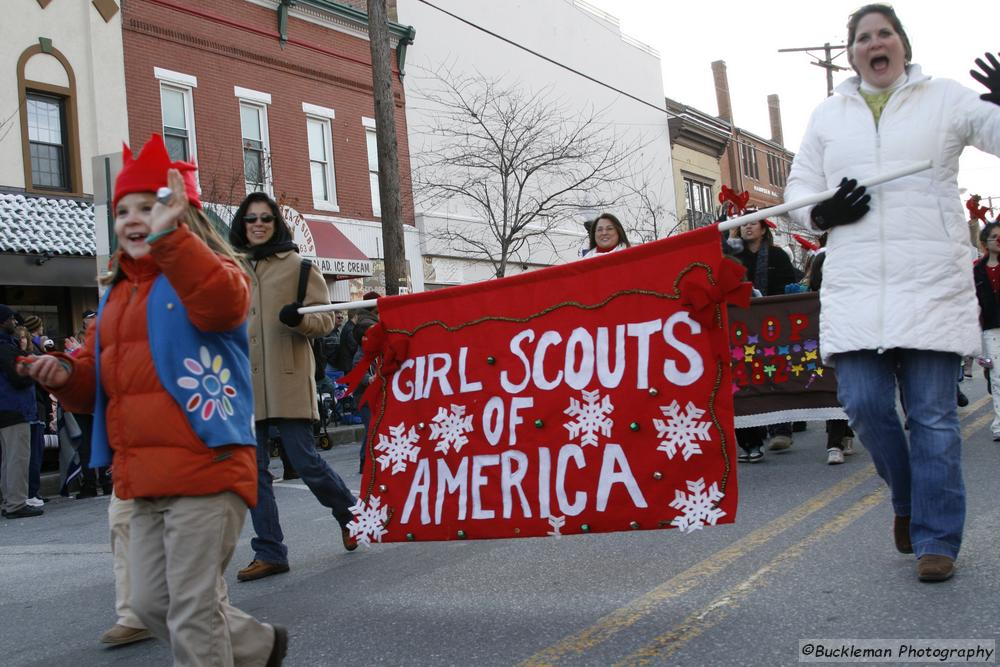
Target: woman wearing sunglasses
x=284, y=385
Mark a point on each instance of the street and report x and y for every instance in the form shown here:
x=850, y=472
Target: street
x=810, y=556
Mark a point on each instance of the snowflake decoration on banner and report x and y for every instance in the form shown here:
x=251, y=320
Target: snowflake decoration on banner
x=369, y=521
x=449, y=428
x=556, y=522
x=681, y=430
x=698, y=507
x=399, y=448
x=590, y=417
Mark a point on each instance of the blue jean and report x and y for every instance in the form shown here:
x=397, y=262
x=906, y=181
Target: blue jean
x=924, y=475
x=326, y=485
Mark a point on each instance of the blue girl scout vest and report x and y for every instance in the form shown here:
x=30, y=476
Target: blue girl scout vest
x=207, y=374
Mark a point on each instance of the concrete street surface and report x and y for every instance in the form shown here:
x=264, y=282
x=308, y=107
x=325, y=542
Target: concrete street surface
x=810, y=556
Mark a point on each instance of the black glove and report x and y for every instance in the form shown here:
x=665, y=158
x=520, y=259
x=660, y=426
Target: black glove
x=290, y=315
x=849, y=204
x=989, y=77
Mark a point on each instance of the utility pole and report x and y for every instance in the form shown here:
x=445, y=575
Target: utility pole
x=826, y=63
x=388, y=157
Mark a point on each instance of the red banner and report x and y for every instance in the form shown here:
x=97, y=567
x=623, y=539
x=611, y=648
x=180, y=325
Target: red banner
x=778, y=375
x=590, y=397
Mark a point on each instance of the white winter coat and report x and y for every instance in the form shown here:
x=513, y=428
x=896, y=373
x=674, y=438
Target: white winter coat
x=901, y=277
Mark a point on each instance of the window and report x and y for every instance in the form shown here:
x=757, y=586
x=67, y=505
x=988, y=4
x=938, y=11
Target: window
x=748, y=157
x=373, y=166
x=177, y=111
x=47, y=115
x=777, y=170
x=256, y=145
x=47, y=141
x=321, y=171
x=253, y=123
x=699, y=203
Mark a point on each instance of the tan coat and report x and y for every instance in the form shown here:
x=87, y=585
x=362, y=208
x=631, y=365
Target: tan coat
x=281, y=358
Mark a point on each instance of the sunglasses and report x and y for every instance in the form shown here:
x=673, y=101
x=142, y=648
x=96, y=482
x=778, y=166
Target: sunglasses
x=265, y=218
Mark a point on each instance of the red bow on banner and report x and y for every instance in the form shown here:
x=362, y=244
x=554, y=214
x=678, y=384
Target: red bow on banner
x=737, y=202
x=976, y=212
x=701, y=297
x=806, y=243
x=377, y=344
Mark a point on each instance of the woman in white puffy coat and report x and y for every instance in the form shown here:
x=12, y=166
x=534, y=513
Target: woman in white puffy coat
x=884, y=317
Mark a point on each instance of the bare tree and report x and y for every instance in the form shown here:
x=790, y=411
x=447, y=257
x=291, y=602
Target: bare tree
x=519, y=161
x=646, y=218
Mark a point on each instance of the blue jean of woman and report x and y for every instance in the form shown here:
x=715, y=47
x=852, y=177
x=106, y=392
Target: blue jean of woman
x=925, y=474
x=328, y=487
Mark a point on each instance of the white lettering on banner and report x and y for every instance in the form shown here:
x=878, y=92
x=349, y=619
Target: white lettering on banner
x=477, y=476
x=582, y=356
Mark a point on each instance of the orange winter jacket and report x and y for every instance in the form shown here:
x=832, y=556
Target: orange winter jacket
x=156, y=452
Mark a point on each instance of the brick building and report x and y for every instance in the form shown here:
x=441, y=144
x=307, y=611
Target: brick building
x=754, y=164
x=697, y=142
x=276, y=96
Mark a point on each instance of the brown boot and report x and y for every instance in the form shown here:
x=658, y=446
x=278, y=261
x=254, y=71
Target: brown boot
x=258, y=569
x=901, y=533
x=935, y=568
x=349, y=542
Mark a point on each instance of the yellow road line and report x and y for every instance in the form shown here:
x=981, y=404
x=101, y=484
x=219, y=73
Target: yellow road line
x=622, y=618
x=716, y=610
x=682, y=583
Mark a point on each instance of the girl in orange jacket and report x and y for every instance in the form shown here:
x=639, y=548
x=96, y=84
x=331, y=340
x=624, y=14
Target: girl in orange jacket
x=166, y=374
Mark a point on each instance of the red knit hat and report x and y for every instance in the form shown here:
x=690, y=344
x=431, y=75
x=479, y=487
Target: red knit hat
x=148, y=172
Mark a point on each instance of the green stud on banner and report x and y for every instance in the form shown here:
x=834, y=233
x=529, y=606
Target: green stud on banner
x=634, y=426
x=491, y=360
x=461, y=534
x=585, y=527
x=634, y=525
x=539, y=423
x=410, y=537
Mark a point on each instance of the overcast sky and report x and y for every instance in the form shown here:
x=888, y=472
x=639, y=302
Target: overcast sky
x=946, y=38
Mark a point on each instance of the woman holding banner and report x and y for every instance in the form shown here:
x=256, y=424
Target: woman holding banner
x=881, y=320
x=606, y=235
x=770, y=269
x=284, y=382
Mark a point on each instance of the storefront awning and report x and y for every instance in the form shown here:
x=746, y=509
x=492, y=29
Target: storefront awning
x=46, y=225
x=333, y=252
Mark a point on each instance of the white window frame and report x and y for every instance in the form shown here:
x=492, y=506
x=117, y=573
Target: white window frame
x=259, y=101
x=373, y=187
x=318, y=114
x=185, y=84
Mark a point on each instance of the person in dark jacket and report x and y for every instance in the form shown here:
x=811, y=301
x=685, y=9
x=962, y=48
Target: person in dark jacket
x=348, y=345
x=17, y=409
x=986, y=274
x=769, y=269
x=366, y=318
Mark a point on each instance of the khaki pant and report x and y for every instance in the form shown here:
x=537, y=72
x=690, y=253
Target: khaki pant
x=15, y=441
x=119, y=518
x=179, y=549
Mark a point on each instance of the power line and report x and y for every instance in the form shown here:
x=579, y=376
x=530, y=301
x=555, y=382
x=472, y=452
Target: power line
x=545, y=58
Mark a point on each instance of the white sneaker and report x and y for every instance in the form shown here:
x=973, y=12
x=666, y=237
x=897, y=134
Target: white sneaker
x=834, y=456
x=848, y=443
x=34, y=502
x=780, y=442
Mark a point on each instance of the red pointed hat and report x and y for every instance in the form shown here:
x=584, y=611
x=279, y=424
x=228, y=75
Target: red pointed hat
x=148, y=172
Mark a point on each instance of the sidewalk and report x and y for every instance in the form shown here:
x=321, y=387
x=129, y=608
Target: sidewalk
x=347, y=434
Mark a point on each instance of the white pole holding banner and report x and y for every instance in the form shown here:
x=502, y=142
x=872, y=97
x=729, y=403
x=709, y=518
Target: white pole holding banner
x=728, y=224
x=821, y=196
x=347, y=305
